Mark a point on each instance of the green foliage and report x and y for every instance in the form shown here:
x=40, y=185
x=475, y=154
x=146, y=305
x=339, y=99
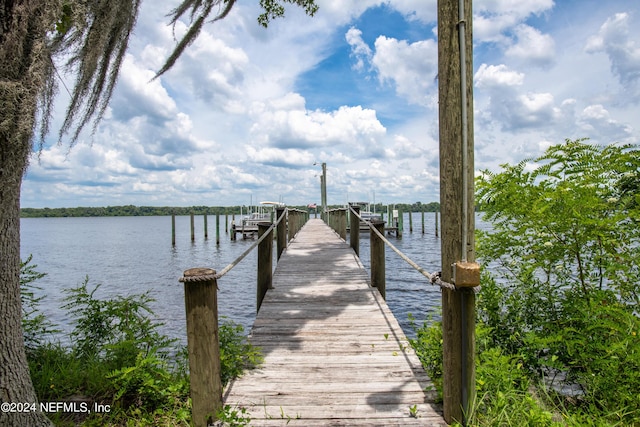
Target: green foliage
x=236, y=354
x=233, y=416
x=35, y=326
x=565, y=254
x=120, y=359
x=428, y=347
x=116, y=329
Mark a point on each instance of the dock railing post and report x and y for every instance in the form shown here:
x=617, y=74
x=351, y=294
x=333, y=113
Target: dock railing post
x=281, y=244
x=201, y=305
x=265, y=263
x=378, y=279
x=354, y=230
x=341, y=223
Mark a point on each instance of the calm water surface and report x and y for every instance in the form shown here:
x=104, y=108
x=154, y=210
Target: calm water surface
x=132, y=255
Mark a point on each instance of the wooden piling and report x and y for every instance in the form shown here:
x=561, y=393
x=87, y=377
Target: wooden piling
x=456, y=198
x=206, y=228
x=193, y=232
x=233, y=231
x=410, y=222
x=217, y=229
x=173, y=229
x=436, y=212
x=378, y=279
x=354, y=229
x=201, y=305
x=400, y=224
x=226, y=223
x=422, y=221
x=265, y=263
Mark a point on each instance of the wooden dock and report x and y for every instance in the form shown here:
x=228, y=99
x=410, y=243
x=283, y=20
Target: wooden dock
x=334, y=354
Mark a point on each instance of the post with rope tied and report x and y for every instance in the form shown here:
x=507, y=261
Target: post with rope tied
x=455, y=89
x=201, y=305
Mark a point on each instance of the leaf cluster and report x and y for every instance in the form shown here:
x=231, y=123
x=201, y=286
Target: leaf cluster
x=562, y=288
x=119, y=358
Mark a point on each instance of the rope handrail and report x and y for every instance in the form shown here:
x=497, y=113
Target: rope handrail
x=237, y=261
x=434, y=278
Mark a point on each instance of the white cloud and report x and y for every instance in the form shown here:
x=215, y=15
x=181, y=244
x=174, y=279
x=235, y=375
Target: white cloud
x=497, y=75
x=412, y=67
x=285, y=123
x=493, y=19
x=532, y=46
x=623, y=52
x=359, y=49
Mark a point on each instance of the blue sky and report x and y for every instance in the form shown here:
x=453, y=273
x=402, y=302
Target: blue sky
x=246, y=112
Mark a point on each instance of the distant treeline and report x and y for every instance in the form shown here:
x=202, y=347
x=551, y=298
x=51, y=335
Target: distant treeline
x=130, y=210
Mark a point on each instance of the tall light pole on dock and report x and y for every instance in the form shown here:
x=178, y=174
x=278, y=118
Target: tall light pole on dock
x=455, y=91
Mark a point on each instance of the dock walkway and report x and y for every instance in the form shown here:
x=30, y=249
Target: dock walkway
x=334, y=354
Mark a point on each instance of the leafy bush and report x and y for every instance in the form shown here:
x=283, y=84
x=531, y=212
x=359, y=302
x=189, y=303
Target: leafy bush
x=119, y=358
x=36, y=327
x=565, y=253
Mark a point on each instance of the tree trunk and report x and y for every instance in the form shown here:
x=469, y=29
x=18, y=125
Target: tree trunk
x=22, y=52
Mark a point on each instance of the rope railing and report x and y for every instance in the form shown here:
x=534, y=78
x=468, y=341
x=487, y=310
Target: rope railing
x=237, y=261
x=434, y=278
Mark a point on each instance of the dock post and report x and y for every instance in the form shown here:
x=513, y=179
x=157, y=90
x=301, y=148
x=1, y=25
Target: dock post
x=226, y=223
x=265, y=263
x=281, y=243
x=341, y=223
x=193, y=235
x=233, y=230
x=400, y=224
x=436, y=212
x=206, y=228
x=173, y=229
x=217, y=229
x=378, y=279
x=354, y=230
x=410, y=222
x=201, y=305
x=422, y=220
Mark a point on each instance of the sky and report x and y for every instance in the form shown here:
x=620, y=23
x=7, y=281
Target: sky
x=250, y=114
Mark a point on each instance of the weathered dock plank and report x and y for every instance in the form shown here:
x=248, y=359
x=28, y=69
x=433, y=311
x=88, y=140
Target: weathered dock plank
x=334, y=354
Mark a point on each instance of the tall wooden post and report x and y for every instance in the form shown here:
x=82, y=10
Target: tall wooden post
x=436, y=212
x=422, y=220
x=173, y=229
x=265, y=263
x=410, y=222
x=201, y=305
x=217, y=229
x=455, y=85
x=354, y=230
x=378, y=275
x=206, y=227
x=193, y=232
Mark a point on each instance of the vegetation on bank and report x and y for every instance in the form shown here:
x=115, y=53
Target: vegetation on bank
x=130, y=210
x=558, y=332
x=120, y=369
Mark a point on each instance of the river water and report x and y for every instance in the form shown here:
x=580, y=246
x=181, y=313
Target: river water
x=132, y=255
